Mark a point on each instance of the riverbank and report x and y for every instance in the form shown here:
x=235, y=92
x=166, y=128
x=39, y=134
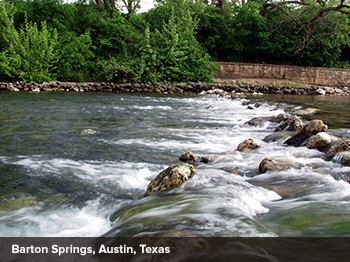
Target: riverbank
x=229, y=86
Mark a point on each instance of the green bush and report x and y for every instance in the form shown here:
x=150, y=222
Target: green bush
x=74, y=57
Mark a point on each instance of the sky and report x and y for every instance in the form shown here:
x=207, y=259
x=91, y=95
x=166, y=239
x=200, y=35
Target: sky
x=146, y=5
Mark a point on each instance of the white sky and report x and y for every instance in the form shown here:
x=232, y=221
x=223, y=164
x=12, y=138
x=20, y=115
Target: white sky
x=146, y=5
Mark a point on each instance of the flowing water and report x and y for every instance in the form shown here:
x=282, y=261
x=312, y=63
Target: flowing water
x=54, y=181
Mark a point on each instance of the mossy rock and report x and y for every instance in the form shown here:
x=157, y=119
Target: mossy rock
x=173, y=176
x=17, y=201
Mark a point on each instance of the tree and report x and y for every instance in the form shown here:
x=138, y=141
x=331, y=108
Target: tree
x=131, y=6
x=37, y=50
x=9, y=61
x=74, y=57
x=322, y=27
x=173, y=54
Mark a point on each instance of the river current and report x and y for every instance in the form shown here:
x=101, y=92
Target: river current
x=55, y=181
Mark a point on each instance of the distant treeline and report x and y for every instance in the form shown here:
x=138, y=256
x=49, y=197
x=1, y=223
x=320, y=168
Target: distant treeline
x=43, y=40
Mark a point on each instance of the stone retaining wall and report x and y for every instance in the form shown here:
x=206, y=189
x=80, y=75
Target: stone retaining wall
x=181, y=88
x=305, y=75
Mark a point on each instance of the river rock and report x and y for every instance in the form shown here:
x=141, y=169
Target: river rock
x=88, y=131
x=306, y=111
x=173, y=176
x=247, y=145
x=319, y=141
x=17, y=201
x=270, y=164
x=293, y=123
x=280, y=117
x=190, y=157
x=12, y=88
x=320, y=92
x=256, y=121
x=343, y=158
x=312, y=128
x=278, y=136
x=338, y=146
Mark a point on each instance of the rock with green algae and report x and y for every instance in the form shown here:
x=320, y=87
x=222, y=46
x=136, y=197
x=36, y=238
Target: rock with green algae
x=17, y=201
x=173, y=176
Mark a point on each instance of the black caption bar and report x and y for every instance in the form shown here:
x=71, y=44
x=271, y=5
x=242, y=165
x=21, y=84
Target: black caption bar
x=159, y=249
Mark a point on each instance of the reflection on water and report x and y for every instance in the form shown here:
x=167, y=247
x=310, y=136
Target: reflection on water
x=56, y=181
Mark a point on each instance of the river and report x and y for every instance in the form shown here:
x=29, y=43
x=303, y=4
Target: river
x=56, y=181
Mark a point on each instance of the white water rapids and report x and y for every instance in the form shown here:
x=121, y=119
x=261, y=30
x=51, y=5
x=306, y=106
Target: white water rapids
x=57, y=182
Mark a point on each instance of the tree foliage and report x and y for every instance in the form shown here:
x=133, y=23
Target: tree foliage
x=107, y=40
x=173, y=53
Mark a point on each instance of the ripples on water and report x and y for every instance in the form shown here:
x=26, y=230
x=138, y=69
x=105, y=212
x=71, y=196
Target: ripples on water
x=57, y=182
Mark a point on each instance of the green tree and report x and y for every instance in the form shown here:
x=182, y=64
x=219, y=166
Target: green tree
x=322, y=28
x=173, y=53
x=8, y=35
x=74, y=57
x=37, y=50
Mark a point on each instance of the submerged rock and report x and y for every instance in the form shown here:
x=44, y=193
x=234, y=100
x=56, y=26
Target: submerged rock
x=319, y=141
x=270, y=164
x=256, y=121
x=312, y=128
x=173, y=176
x=17, y=201
x=306, y=111
x=278, y=136
x=293, y=123
x=247, y=145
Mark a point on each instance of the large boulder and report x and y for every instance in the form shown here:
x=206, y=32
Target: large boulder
x=338, y=147
x=270, y=164
x=173, y=176
x=319, y=141
x=312, y=128
x=247, y=145
x=293, y=123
